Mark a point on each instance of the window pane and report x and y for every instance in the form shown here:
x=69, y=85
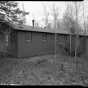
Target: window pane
x=28, y=36
x=44, y=36
x=7, y=38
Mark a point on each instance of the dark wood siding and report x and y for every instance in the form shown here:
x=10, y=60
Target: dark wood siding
x=63, y=43
x=12, y=48
x=37, y=46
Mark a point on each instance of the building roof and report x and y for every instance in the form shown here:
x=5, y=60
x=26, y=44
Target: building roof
x=37, y=29
x=61, y=30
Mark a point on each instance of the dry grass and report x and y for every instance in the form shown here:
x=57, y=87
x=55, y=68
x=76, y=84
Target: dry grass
x=44, y=70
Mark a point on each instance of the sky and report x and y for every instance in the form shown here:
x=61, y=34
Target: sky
x=36, y=10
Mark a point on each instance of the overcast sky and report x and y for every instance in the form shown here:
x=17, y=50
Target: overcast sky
x=36, y=9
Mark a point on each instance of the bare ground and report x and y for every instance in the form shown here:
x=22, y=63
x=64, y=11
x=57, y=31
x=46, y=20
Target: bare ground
x=44, y=70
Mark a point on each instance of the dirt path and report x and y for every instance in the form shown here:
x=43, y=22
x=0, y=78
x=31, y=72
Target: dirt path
x=44, y=70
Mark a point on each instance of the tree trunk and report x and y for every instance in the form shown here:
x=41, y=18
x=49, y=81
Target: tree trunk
x=70, y=45
x=76, y=44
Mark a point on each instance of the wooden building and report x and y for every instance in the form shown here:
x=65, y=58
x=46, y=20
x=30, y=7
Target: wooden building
x=27, y=41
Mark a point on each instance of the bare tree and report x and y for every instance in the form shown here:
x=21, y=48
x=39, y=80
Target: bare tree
x=23, y=16
x=77, y=6
x=68, y=23
x=71, y=23
x=55, y=14
x=46, y=14
x=69, y=19
x=86, y=25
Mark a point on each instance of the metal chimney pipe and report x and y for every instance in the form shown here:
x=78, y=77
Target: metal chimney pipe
x=33, y=23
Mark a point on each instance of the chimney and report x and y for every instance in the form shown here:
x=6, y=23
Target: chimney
x=33, y=23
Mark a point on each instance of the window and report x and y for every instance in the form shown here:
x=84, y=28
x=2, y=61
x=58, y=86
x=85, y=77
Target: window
x=28, y=36
x=44, y=36
x=66, y=37
x=51, y=36
x=6, y=36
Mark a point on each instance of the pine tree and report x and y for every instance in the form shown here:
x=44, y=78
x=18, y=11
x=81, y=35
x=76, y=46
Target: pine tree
x=12, y=12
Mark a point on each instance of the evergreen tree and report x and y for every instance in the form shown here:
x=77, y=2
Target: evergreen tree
x=12, y=12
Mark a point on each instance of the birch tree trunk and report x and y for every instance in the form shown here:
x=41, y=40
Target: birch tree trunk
x=55, y=16
x=70, y=44
x=76, y=30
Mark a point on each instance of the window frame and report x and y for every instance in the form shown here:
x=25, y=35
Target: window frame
x=28, y=36
x=6, y=38
x=44, y=36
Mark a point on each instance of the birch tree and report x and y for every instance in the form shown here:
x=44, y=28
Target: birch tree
x=46, y=14
x=70, y=19
x=68, y=23
x=77, y=7
x=55, y=14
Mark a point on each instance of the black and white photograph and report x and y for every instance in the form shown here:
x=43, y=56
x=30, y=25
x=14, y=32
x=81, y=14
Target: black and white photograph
x=44, y=43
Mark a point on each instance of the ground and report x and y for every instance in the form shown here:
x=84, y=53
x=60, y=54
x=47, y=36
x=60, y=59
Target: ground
x=44, y=70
